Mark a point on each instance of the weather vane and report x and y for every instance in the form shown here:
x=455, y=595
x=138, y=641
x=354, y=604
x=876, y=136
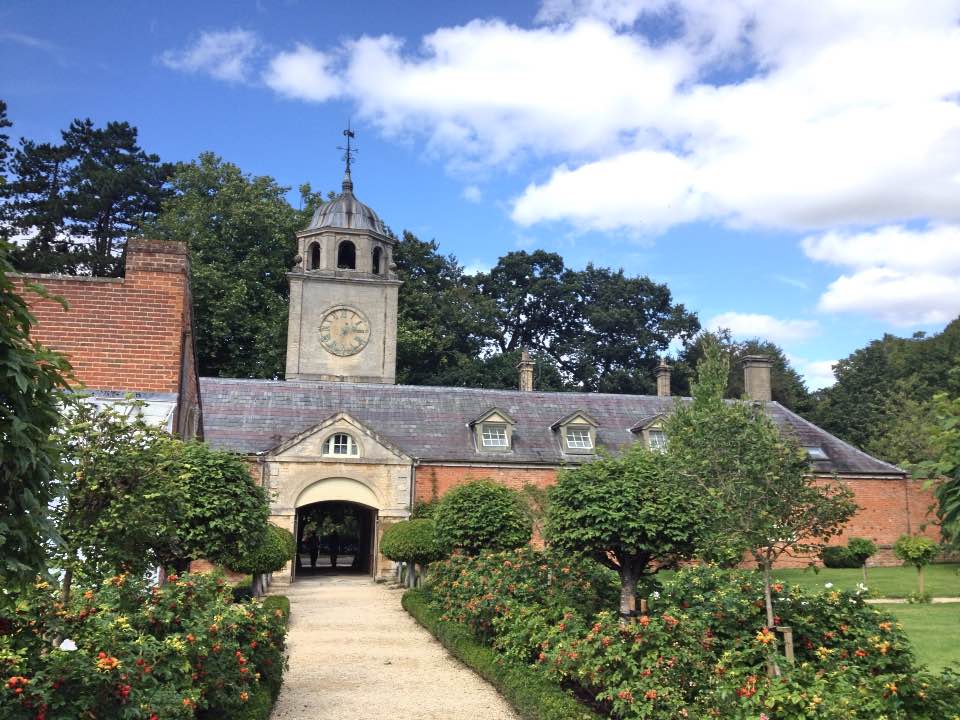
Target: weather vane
x=348, y=152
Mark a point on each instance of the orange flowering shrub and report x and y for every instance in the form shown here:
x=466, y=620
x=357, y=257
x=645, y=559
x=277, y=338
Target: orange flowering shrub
x=127, y=651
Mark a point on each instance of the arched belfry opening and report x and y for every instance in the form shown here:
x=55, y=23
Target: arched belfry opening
x=314, y=256
x=377, y=260
x=347, y=256
x=335, y=537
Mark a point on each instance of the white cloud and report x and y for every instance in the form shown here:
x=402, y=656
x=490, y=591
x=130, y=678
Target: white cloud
x=902, y=276
x=476, y=266
x=817, y=373
x=791, y=281
x=472, y=193
x=766, y=327
x=224, y=55
x=303, y=74
x=767, y=113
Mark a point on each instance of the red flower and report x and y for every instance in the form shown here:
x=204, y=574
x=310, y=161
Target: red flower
x=650, y=695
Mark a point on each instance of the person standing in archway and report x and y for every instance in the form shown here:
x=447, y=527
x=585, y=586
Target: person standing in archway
x=313, y=547
x=334, y=539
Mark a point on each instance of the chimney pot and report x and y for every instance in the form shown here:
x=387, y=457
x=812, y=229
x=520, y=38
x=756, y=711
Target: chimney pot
x=756, y=377
x=662, y=374
x=525, y=366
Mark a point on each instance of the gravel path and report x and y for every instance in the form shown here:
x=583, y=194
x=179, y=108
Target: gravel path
x=356, y=654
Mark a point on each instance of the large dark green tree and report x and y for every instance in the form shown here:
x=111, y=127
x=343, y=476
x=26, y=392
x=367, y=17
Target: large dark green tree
x=78, y=201
x=602, y=330
x=787, y=384
x=240, y=232
x=884, y=391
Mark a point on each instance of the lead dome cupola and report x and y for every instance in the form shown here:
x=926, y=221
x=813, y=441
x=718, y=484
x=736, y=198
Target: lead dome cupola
x=346, y=211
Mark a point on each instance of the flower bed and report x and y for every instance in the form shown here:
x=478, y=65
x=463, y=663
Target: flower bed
x=132, y=652
x=701, y=651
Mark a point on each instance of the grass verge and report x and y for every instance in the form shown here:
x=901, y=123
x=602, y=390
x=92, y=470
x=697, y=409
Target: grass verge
x=942, y=579
x=531, y=695
x=932, y=630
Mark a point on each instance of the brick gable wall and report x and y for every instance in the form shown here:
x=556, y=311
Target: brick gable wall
x=128, y=334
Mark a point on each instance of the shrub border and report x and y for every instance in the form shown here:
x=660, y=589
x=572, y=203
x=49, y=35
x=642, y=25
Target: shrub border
x=533, y=696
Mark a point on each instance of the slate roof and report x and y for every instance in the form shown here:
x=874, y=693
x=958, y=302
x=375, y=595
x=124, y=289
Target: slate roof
x=432, y=423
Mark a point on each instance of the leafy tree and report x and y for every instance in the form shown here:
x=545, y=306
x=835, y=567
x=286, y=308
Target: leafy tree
x=884, y=388
x=861, y=550
x=770, y=502
x=5, y=152
x=120, y=501
x=413, y=542
x=441, y=322
x=945, y=465
x=223, y=512
x=33, y=388
x=602, y=330
x=916, y=550
x=481, y=515
x=787, y=385
x=239, y=229
x=79, y=201
x=634, y=514
x=273, y=549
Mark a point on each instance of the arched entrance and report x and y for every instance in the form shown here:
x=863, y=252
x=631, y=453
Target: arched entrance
x=334, y=537
x=336, y=528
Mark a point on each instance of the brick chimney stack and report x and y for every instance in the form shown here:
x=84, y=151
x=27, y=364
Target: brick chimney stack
x=756, y=377
x=662, y=374
x=525, y=366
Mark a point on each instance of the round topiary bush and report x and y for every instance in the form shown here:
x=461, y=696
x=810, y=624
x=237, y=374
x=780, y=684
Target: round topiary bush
x=839, y=556
x=411, y=541
x=276, y=547
x=482, y=515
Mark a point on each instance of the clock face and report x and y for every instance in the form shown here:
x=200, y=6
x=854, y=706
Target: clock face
x=344, y=331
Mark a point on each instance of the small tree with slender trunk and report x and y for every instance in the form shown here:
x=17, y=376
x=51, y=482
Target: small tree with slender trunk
x=633, y=513
x=919, y=551
x=771, y=503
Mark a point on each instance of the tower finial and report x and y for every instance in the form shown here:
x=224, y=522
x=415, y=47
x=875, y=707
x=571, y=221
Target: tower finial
x=348, y=155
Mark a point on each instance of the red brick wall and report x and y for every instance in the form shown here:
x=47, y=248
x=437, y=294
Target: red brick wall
x=433, y=481
x=127, y=333
x=888, y=507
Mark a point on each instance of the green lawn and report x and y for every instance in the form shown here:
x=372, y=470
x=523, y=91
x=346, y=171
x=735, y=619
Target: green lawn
x=942, y=580
x=933, y=631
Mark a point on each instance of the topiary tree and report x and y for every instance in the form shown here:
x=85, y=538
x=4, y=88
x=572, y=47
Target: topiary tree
x=224, y=510
x=482, y=515
x=274, y=549
x=916, y=550
x=861, y=550
x=413, y=542
x=632, y=513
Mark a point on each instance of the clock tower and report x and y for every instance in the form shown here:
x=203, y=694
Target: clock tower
x=343, y=294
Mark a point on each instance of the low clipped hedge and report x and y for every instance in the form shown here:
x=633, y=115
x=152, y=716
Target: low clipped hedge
x=531, y=695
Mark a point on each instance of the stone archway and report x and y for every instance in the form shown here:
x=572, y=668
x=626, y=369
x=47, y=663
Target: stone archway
x=336, y=526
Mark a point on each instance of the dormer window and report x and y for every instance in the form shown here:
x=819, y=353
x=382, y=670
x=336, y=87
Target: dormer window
x=347, y=256
x=657, y=439
x=493, y=431
x=578, y=433
x=314, y=256
x=494, y=435
x=650, y=431
x=376, y=260
x=341, y=445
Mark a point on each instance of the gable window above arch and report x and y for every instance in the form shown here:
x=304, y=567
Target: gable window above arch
x=578, y=433
x=341, y=445
x=493, y=431
x=377, y=260
x=347, y=256
x=313, y=256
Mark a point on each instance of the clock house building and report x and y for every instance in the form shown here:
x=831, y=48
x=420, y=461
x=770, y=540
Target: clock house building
x=338, y=439
x=344, y=451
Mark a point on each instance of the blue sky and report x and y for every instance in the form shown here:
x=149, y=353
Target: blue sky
x=789, y=174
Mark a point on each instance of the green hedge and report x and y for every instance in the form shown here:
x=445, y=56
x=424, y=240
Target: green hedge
x=531, y=695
